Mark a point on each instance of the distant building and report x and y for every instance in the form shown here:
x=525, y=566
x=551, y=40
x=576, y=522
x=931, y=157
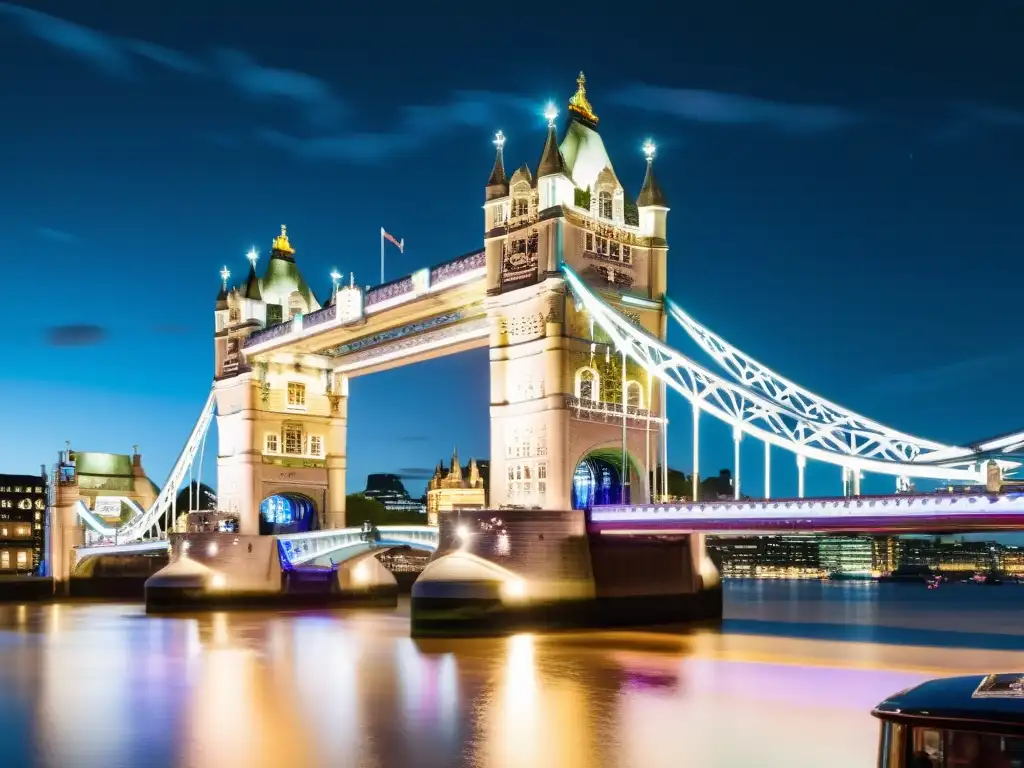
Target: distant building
x=453, y=490
x=23, y=507
x=390, y=491
x=103, y=475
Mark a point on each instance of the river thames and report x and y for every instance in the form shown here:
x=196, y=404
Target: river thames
x=789, y=681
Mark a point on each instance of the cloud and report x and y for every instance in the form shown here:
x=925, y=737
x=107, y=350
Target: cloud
x=716, y=108
x=969, y=117
x=75, y=335
x=100, y=50
x=415, y=473
x=416, y=126
x=55, y=235
x=165, y=57
x=315, y=96
x=957, y=374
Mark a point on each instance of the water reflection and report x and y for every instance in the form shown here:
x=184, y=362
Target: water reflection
x=104, y=685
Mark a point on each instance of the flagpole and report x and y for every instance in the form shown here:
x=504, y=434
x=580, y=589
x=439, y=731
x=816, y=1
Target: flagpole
x=382, y=255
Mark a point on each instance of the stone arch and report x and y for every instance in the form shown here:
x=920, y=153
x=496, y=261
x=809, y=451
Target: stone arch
x=287, y=511
x=597, y=477
x=587, y=375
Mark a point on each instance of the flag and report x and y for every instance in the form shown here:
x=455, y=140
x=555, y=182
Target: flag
x=399, y=244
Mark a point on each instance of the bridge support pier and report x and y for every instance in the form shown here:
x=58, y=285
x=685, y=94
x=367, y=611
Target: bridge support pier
x=66, y=533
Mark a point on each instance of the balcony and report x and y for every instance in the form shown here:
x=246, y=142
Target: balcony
x=596, y=410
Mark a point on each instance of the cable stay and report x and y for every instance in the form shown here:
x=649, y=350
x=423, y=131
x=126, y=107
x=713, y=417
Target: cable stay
x=754, y=375
x=786, y=425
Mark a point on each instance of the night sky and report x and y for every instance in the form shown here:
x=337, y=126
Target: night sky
x=846, y=198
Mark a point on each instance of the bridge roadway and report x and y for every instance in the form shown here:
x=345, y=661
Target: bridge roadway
x=932, y=513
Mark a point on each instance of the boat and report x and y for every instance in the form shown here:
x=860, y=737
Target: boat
x=976, y=720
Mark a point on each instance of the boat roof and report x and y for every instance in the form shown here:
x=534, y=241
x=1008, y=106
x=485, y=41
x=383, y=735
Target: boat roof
x=974, y=702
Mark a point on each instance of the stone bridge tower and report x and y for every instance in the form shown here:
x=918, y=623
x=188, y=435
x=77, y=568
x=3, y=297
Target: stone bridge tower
x=280, y=422
x=563, y=403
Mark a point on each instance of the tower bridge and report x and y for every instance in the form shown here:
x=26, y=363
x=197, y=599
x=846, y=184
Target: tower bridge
x=569, y=295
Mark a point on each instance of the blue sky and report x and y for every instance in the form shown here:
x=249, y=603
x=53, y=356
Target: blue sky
x=845, y=189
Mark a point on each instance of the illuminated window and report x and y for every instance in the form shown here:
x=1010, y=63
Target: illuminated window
x=40, y=504
x=634, y=394
x=542, y=471
x=499, y=215
x=316, y=447
x=5, y=560
x=587, y=385
x=601, y=246
x=38, y=489
x=293, y=439
x=4, y=532
x=22, y=559
x=23, y=530
x=627, y=255
x=604, y=204
x=17, y=489
x=521, y=207
x=272, y=443
x=296, y=395
x=25, y=504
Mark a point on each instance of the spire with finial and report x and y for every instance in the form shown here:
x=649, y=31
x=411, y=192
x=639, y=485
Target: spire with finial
x=222, y=295
x=580, y=105
x=456, y=473
x=252, y=283
x=497, y=183
x=551, y=160
x=281, y=243
x=650, y=193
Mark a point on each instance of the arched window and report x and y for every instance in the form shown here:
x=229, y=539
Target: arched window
x=588, y=385
x=521, y=207
x=634, y=394
x=604, y=204
x=296, y=304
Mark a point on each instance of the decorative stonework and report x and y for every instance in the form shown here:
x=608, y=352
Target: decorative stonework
x=457, y=267
x=555, y=308
x=385, y=337
x=410, y=343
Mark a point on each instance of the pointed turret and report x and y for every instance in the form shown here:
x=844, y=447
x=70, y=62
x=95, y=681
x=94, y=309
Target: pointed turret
x=252, y=283
x=222, y=295
x=474, y=474
x=579, y=104
x=551, y=160
x=497, y=182
x=583, y=151
x=650, y=193
x=456, y=473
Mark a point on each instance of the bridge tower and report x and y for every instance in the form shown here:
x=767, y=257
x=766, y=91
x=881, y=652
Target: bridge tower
x=563, y=403
x=282, y=424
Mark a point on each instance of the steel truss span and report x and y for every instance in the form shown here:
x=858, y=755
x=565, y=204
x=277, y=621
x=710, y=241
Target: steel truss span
x=793, y=426
x=143, y=520
x=754, y=375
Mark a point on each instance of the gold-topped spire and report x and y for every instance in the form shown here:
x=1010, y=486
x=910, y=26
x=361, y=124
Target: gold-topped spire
x=579, y=103
x=281, y=241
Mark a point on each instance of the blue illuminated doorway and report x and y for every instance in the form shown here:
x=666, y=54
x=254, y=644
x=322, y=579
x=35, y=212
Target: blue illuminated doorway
x=598, y=480
x=286, y=513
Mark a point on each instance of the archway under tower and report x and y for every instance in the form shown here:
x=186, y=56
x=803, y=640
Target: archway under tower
x=598, y=479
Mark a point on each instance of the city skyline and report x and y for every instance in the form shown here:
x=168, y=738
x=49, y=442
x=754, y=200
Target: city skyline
x=185, y=159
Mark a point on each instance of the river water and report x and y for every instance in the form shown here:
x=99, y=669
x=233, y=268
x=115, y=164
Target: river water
x=789, y=681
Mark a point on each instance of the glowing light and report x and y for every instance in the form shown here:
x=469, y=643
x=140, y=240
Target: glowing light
x=649, y=150
x=335, y=279
x=513, y=589
x=212, y=549
x=462, y=532
x=225, y=273
x=361, y=574
x=217, y=581
x=252, y=256
x=499, y=140
x=550, y=113
x=185, y=547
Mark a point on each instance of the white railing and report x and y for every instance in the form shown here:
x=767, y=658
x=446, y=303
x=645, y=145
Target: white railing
x=301, y=548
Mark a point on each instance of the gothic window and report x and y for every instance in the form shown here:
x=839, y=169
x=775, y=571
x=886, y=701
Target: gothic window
x=275, y=314
x=499, y=215
x=272, y=443
x=542, y=471
x=519, y=246
x=532, y=242
x=627, y=255
x=293, y=439
x=604, y=204
x=602, y=246
x=521, y=207
x=316, y=446
x=296, y=395
x=587, y=385
x=234, y=315
x=589, y=247
x=613, y=251
x=634, y=394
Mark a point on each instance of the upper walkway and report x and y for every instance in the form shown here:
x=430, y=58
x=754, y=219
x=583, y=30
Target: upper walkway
x=931, y=513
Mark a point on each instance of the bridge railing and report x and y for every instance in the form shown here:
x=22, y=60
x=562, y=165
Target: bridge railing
x=300, y=548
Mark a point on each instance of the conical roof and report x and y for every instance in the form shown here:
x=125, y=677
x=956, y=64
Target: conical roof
x=650, y=193
x=252, y=285
x=551, y=160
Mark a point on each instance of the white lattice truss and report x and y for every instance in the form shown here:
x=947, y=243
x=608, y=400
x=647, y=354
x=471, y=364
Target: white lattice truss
x=773, y=409
x=143, y=521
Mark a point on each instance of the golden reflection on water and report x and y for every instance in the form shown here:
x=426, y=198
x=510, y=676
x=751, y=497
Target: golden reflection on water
x=103, y=685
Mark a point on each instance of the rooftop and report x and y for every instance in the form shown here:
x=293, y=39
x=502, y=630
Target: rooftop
x=975, y=702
